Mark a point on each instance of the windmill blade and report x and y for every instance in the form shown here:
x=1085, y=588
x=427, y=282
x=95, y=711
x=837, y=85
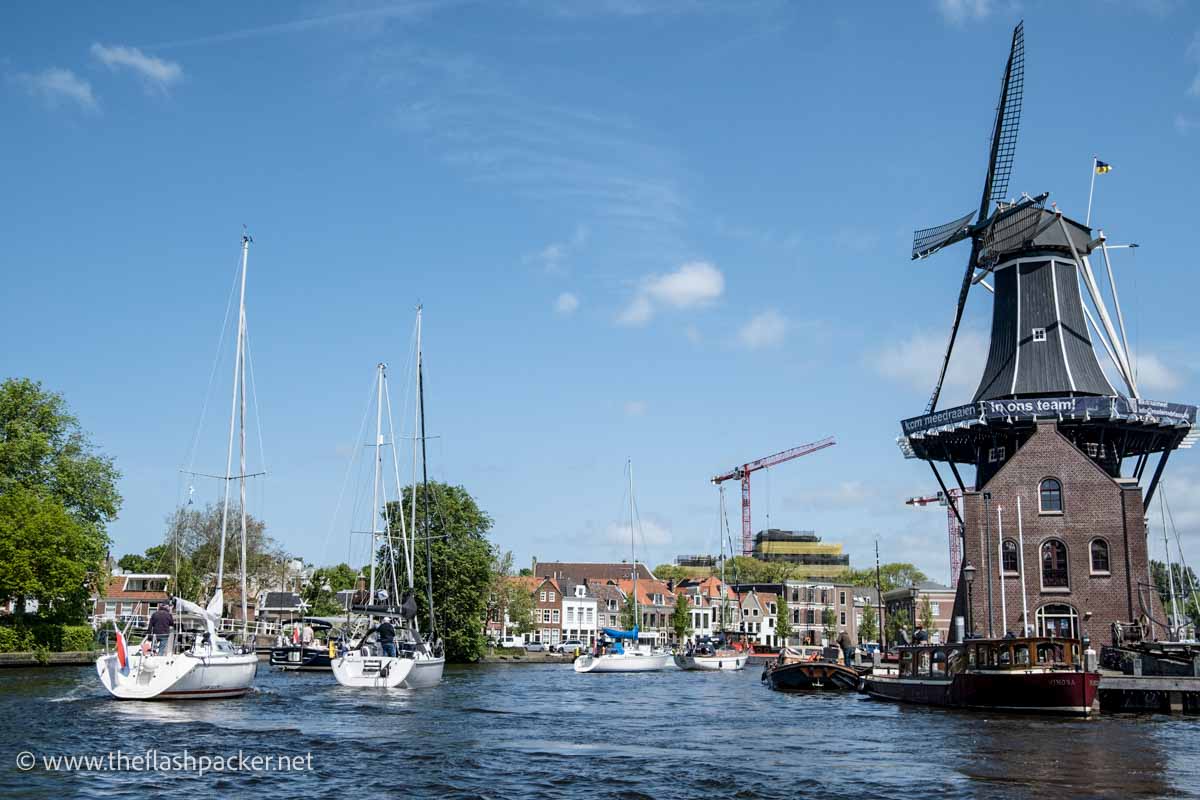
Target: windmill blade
x=958, y=313
x=928, y=241
x=1005, y=128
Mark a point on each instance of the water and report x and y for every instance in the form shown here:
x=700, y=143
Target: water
x=545, y=732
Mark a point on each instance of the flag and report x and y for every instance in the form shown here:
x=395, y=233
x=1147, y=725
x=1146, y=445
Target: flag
x=1102, y=167
x=122, y=655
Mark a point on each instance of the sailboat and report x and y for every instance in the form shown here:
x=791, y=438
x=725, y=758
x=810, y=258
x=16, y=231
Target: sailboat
x=370, y=662
x=634, y=657
x=212, y=667
x=716, y=655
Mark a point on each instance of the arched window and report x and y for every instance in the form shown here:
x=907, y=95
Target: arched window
x=1054, y=564
x=1051, y=494
x=1099, y=556
x=1009, y=557
x=1057, y=620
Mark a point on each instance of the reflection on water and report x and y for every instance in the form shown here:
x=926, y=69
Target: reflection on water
x=544, y=731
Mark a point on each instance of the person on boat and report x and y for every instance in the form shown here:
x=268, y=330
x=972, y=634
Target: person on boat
x=306, y=636
x=920, y=635
x=386, y=632
x=843, y=641
x=161, y=623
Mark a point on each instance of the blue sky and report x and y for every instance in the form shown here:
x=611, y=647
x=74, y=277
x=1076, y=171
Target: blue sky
x=668, y=230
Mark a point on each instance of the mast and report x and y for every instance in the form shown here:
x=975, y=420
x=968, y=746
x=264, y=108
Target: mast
x=633, y=550
x=879, y=592
x=1174, y=618
x=237, y=374
x=721, y=536
x=408, y=567
x=424, y=480
x=375, y=482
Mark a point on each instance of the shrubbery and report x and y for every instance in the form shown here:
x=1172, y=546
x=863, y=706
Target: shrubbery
x=53, y=637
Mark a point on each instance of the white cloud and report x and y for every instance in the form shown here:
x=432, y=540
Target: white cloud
x=553, y=257
x=650, y=534
x=1153, y=375
x=566, y=303
x=55, y=85
x=635, y=408
x=960, y=11
x=915, y=361
x=764, y=330
x=157, y=73
x=694, y=285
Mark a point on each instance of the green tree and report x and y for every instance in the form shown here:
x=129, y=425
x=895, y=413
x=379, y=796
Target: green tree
x=891, y=576
x=57, y=496
x=321, y=592
x=519, y=607
x=868, y=631
x=925, y=614
x=525, y=572
x=746, y=569
x=829, y=624
x=669, y=572
x=1185, y=579
x=681, y=618
x=453, y=529
x=895, y=621
x=628, y=617
x=783, y=621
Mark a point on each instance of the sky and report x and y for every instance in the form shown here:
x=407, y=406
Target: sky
x=675, y=232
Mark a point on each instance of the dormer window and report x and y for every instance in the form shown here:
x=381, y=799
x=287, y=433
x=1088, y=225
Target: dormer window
x=1039, y=334
x=995, y=455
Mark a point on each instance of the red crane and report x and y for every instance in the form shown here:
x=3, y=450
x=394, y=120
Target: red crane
x=952, y=526
x=742, y=473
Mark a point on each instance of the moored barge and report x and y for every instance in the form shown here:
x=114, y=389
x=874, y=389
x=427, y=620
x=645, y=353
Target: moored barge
x=803, y=669
x=1025, y=674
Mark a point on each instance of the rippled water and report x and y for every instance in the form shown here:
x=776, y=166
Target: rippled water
x=543, y=731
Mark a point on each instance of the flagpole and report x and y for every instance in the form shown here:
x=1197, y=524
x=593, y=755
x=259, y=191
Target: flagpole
x=1095, y=161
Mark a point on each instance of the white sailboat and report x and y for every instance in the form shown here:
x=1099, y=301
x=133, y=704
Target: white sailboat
x=718, y=656
x=212, y=667
x=371, y=663
x=634, y=657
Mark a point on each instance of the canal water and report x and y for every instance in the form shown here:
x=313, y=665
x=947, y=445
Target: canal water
x=546, y=732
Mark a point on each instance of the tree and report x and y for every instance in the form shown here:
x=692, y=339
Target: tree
x=670, y=572
x=1185, y=579
x=746, y=569
x=681, y=618
x=783, y=621
x=895, y=621
x=56, y=497
x=452, y=529
x=829, y=624
x=628, y=618
x=321, y=592
x=891, y=576
x=868, y=631
x=525, y=572
x=518, y=604
x=925, y=613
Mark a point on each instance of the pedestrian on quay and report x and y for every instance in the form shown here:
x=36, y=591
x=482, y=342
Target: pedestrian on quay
x=843, y=641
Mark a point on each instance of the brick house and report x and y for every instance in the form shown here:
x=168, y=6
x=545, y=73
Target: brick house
x=909, y=599
x=547, y=612
x=807, y=603
x=656, y=603
x=135, y=594
x=1077, y=558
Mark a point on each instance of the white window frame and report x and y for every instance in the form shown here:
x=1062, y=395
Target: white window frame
x=1039, y=334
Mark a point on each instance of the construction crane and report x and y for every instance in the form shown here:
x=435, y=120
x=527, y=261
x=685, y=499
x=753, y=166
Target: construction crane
x=742, y=473
x=952, y=525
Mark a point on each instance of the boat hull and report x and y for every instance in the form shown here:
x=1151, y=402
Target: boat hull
x=622, y=662
x=1058, y=692
x=810, y=676
x=295, y=657
x=426, y=672
x=181, y=676
x=714, y=663
x=371, y=672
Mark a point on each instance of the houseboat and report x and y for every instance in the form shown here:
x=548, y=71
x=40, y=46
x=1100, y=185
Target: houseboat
x=1037, y=675
x=803, y=669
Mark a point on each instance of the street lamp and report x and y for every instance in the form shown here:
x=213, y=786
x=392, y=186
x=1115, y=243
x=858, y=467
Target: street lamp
x=968, y=572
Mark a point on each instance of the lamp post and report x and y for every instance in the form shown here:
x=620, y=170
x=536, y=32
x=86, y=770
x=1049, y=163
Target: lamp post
x=968, y=572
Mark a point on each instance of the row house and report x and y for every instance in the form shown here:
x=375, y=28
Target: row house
x=134, y=595
x=707, y=597
x=759, y=610
x=809, y=604
x=580, y=612
x=609, y=600
x=547, y=612
x=656, y=604
x=911, y=600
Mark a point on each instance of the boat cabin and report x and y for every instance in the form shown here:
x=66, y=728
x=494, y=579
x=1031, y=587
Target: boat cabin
x=944, y=661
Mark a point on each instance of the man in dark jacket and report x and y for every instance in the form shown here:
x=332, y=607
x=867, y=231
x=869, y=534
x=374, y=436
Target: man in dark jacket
x=847, y=646
x=161, y=623
x=387, y=637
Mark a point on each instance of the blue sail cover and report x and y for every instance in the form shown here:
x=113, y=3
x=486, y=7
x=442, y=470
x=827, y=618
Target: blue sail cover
x=613, y=633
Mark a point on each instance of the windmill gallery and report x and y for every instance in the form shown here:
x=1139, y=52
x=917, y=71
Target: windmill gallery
x=1049, y=475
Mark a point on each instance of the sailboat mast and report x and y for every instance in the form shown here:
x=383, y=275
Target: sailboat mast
x=633, y=549
x=237, y=371
x=408, y=568
x=242, y=461
x=424, y=479
x=375, y=483
x=721, y=536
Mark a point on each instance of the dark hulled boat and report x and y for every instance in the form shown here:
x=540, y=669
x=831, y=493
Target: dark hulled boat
x=1028, y=675
x=810, y=669
x=308, y=657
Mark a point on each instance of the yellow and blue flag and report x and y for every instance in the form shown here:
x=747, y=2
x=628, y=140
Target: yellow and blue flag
x=1102, y=167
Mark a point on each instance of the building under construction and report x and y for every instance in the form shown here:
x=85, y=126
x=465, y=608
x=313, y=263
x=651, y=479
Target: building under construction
x=805, y=549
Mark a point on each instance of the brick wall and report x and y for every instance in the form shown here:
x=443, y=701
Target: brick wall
x=1094, y=506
